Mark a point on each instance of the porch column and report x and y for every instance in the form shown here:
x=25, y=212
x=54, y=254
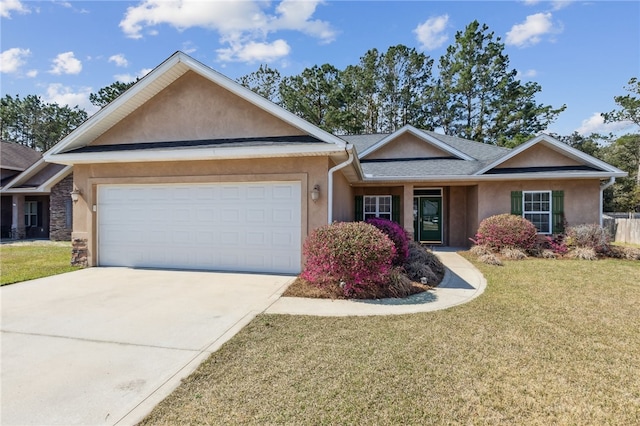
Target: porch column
x=17, y=217
x=408, y=209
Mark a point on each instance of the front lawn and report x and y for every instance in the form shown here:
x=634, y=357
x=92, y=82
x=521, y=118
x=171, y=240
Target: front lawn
x=549, y=342
x=27, y=261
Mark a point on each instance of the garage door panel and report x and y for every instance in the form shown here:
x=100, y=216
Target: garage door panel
x=242, y=227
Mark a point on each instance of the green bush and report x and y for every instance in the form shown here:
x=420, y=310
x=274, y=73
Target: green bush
x=506, y=230
x=355, y=255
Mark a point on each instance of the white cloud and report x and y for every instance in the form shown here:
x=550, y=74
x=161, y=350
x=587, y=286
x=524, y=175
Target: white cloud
x=243, y=25
x=527, y=73
x=254, y=51
x=64, y=95
x=12, y=59
x=531, y=30
x=119, y=60
x=128, y=78
x=596, y=124
x=8, y=6
x=430, y=33
x=66, y=63
x=32, y=73
x=555, y=5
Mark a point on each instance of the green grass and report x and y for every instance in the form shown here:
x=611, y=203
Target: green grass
x=27, y=261
x=549, y=342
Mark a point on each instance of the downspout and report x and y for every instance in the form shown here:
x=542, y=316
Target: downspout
x=330, y=182
x=612, y=180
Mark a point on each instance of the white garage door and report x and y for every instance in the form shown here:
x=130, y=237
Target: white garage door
x=254, y=227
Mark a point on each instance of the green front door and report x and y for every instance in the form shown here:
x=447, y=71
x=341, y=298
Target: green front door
x=427, y=218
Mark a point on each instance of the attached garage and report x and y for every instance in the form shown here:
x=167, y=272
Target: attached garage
x=251, y=227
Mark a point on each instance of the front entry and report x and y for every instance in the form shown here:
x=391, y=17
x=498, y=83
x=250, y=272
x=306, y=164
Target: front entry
x=427, y=218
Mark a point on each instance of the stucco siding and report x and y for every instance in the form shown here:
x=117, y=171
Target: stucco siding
x=407, y=146
x=194, y=108
x=581, y=198
x=458, y=209
x=343, y=198
x=537, y=156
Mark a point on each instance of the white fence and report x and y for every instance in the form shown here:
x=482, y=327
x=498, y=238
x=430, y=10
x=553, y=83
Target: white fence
x=623, y=227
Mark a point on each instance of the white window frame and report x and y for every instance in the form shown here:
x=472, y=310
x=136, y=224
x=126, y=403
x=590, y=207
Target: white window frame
x=30, y=213
x=548, y=212
x=377, y=205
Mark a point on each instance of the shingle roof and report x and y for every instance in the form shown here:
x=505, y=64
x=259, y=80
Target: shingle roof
x=483, y=154
x=14, y=156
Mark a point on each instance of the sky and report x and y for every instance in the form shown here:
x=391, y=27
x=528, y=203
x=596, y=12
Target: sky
x=582, y=53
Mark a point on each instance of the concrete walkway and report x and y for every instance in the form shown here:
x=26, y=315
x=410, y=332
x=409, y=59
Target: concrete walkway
x=462, y=282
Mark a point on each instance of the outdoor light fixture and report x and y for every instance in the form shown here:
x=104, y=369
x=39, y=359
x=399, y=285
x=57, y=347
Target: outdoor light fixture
x=75, y=194
x=315, y=193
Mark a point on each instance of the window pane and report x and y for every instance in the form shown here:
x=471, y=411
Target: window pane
x=370, y=204
x=539, y=220
x=384, y=204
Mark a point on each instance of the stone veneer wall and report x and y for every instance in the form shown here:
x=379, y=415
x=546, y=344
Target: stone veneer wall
x=59, y=202
x=79, y=252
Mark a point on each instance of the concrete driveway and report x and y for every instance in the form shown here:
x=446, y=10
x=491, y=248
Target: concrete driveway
x=105, y=345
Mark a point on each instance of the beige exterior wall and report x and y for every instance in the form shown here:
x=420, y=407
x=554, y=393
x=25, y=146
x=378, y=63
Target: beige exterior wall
x=308, y=170
x=343, y=198
x=581, y=198
x=458, y=209
x=539, y=155
x=194, y=108
x=407, y=146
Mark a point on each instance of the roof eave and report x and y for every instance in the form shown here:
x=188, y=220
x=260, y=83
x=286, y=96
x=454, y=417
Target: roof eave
x=498, y=177
x=194, y=154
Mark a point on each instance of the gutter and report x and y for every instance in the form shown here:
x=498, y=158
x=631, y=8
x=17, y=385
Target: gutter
x=335, y=168
x=604, y=186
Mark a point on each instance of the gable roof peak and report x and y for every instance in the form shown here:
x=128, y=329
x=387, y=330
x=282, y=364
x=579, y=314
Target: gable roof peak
x=408, y=128
x=158, y=79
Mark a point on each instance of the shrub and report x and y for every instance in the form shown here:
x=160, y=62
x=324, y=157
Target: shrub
x=478, y=251
x=624, y=252
x=355, y=253
x=513, y=253
x=557, y=244
x=397, y=234
x=506, y=230
x=583, y=253
x=399, y=284
x=591, y=236
x=490, y=259
x=417, y=270
x=418, y=255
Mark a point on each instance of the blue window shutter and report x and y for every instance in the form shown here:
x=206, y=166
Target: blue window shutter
x=395, y=208
x=359, y=208
x=516, y=203
x=557, y=212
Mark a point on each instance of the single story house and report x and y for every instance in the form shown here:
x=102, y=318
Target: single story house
x=189, y=169
x=35, y=195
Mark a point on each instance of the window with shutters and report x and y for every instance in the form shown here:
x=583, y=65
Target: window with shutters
x=545, y=209
x=377, y=206
x=537, y=209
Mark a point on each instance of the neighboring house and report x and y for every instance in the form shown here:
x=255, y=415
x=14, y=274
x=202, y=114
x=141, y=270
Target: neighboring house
x=188, y=169
x=35, y=195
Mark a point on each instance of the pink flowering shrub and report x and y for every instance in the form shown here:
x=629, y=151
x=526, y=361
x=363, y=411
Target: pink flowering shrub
x=355, y=255
x=506, y=230
x=397, y=234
